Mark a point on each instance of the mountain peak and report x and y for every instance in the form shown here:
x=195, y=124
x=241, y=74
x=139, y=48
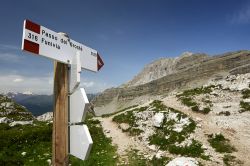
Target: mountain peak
x=186, y=54
x=165, y=66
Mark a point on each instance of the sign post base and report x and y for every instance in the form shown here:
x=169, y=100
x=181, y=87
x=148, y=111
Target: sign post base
x=60, y=121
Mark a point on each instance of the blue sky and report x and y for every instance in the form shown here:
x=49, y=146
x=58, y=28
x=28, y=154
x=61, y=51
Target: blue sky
x=128, y=34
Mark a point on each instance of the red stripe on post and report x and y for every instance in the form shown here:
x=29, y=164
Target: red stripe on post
x=32, y=26
x=31, y=46
x=100, y=62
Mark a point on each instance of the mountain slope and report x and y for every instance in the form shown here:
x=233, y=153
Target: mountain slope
x=207, y=125
x=11, y=111
x=190, y=74
x=37, y=104
x=165, y=66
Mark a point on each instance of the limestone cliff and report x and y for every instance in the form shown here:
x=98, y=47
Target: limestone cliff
x=166, y=75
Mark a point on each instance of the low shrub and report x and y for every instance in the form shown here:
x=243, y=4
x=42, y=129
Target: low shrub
x=226, y=113
x=220, y=143
x=244, y=106
x=230, y=160
x=193, y=150
x=245, y=93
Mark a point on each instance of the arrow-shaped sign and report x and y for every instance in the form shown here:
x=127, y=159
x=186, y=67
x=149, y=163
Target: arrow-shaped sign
x=80, y=141
x=79, y=104
x=43, y=41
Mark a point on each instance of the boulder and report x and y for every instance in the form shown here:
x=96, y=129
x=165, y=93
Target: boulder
x=45, y=117
x=20, y=123
x=124, y=126
x=4, y=120
x=158, y=119
x=181, y=161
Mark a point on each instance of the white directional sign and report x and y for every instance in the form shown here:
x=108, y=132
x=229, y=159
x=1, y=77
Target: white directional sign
x=79, y=105
x=75, y=73
x=80, y=141
x=43, y=41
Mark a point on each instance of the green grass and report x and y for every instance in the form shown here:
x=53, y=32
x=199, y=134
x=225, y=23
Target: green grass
x=186, y=98
x=173, y=137
x=158, y=105
x=206, y=110
x=135, y=131
x=193, y=150
x=197, y=91
x=4, y=99
x=130, y=119
x=245, y=93
x=230, y=160
x=167, y=130
x=220, y=143
x=127, y=117
x=244, y=106
x=34, y=140
x=102, y=152
x=188, y=101
x=17, y=116
x=159, y=138
x=135, y=159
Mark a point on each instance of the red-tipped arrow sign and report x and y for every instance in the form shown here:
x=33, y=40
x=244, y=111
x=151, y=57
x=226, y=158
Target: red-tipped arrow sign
x=100, y=62
x=40, y=40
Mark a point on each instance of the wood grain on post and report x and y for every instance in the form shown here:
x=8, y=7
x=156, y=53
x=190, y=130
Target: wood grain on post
x=60, y=120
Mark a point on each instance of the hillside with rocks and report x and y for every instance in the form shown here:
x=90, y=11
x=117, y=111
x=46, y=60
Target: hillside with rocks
x=187, y=71
x=207, y=125
x=13, y=113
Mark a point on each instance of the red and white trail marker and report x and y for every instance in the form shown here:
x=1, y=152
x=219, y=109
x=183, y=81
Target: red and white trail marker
x=40, y=40
x=56, y=46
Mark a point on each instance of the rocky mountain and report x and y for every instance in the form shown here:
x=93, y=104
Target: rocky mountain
x=13, y=113
x=206, y=125
x=48, y=116
x=168, y=75
x=165, y=66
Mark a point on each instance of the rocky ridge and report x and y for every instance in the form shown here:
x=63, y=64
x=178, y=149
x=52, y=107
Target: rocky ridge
x=165, y=66
x=192, y=70
x=13, y=113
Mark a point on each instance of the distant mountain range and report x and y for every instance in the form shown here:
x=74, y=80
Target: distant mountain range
x=36, y=104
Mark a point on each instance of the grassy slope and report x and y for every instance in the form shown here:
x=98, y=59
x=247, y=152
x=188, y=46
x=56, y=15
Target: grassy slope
x=36, y=142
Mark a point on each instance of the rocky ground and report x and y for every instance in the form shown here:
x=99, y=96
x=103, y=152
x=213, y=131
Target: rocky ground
x=220, y=111
x=209, y=125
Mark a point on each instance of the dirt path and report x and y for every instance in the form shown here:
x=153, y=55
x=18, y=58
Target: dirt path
x=120, y=139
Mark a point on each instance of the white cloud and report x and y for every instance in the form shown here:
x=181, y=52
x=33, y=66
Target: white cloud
x=10, y=57
x=18, y=80
x=94, y=86
x=242, y=16
x=19, y=83
x=9, y=47
x=42, y=84
x=88, y=84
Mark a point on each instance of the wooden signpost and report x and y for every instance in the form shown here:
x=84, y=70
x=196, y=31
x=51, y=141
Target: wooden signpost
x=70, y=101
